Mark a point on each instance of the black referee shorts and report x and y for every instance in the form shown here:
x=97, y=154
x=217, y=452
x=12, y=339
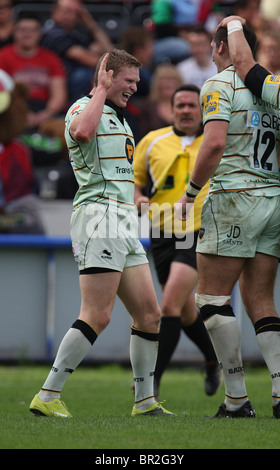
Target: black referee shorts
x=164, y=252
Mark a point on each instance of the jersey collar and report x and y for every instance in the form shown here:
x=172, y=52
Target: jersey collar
x=118, y=110
x=182, y=134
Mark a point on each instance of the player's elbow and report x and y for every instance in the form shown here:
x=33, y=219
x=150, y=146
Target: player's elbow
x=217, y=145
x=242, y=66
x=82, y=135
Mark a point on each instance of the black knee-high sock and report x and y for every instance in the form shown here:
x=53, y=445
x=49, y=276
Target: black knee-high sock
x=199, y=335
x=169, y=335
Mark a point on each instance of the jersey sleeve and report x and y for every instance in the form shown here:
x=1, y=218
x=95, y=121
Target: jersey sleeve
x=75, y=109
x=215, y=100
x=263, y=84
x=271, y=90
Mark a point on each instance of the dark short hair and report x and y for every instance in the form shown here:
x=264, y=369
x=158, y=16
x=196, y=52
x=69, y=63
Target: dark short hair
x=242, y=4
x=135, y=36
x=27, y=15
x=200, y=29
x=186, y=87
x=222, y=35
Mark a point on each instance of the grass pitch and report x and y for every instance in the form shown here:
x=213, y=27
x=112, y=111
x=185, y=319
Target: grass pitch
x=100, y=400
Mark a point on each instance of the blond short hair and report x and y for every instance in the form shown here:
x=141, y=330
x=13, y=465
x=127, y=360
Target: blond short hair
x=117, y=60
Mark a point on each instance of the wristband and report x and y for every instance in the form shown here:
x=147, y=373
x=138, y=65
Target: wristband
x=192, y=190
x=234, y=25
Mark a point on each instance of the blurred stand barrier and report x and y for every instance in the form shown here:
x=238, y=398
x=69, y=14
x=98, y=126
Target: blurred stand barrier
x=40, y=299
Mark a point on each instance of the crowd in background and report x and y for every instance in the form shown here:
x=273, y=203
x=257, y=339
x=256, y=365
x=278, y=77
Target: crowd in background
x=55, y=57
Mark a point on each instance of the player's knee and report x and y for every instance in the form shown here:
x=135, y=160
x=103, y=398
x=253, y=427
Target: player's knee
x=156, y=316
x=97, y=322
x=217, y=300
x=224, y=311
x=104, y=321
x=170, y=310
x=152, y=318
x=217, y=312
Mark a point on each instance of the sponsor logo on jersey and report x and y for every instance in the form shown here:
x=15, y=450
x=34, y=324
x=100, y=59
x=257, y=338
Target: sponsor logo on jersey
x=113, y=124
x=263, y=120
x=233, y=236
x=210, y=103
x=274, y=79
x=75, y=109
x=129, y=150
x=255, y=119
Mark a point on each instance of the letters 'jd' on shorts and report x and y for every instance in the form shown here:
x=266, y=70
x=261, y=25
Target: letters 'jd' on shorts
x=106, y=237
x=239, y=225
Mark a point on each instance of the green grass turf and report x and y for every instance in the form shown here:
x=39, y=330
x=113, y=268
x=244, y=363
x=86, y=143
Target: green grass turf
x=101, y=401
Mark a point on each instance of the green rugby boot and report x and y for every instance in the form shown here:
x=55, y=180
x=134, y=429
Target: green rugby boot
x=155, y=410
x=55, y=408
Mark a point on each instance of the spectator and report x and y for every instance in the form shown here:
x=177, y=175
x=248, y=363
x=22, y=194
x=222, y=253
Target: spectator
x=75, y=36
x=57, y=178
x=139, y=42
x=200, y=66
x=268, y=54
x=171, y=19
x=156, y=110
x=41, y=70
x=6, y=22
x=250, y=11
x=19, y=210
x=270, y=11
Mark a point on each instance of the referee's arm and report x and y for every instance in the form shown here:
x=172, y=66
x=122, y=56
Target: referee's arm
x=140, y=200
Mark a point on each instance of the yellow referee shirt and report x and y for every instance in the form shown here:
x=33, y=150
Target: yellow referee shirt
x=164, y=160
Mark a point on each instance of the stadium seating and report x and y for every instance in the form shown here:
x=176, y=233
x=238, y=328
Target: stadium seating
x=113, y=16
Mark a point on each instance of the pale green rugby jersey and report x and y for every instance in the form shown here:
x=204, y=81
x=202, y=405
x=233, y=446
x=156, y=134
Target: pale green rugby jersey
x=103, y=167
x=249, y=162
x=270, y=89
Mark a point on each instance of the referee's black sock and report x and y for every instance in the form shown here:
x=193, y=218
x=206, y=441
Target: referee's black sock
x=169, y=334
x=199, y=335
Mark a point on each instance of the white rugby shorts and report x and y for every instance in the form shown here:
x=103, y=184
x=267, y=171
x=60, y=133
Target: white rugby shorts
x=239, y=225
x=106, y=236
